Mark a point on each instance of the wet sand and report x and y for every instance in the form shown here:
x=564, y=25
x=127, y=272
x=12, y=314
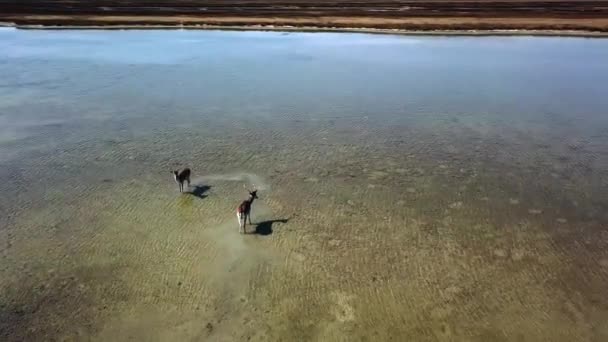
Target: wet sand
x=372, y=224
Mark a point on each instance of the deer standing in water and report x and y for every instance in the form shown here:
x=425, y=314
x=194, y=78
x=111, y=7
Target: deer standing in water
x=181, y=177
x=243, y=212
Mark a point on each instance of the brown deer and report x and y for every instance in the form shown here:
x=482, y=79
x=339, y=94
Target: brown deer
x=181, y=177
x=243, y=212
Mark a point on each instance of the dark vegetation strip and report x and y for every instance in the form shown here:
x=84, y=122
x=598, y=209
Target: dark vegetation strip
x=578, y=9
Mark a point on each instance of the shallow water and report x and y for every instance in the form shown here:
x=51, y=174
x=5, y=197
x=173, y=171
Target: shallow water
x=427, y=188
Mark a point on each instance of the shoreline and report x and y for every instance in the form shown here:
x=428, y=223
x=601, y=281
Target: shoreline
x=579, y=18
x=289, y=28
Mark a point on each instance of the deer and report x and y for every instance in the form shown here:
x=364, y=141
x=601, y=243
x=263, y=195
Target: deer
x=182, y=176
x=243, y=212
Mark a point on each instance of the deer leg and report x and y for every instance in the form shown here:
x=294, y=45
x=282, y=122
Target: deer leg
x=249, y=217
x=238, y=217
x=188, y=181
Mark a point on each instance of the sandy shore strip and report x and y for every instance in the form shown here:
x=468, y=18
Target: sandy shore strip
x=289, y=28
x=490, y=17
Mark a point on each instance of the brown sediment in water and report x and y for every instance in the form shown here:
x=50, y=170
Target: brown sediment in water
x=484, y=17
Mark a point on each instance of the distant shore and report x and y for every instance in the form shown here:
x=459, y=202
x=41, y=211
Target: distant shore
x=512, y=32
x=434, y=17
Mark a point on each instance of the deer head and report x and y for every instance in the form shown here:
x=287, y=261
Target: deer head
x=252, y=193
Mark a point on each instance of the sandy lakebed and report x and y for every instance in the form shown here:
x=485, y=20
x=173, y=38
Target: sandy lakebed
x=411, y=188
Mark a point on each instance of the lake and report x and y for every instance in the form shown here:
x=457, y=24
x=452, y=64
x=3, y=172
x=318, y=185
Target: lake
x=411, y=187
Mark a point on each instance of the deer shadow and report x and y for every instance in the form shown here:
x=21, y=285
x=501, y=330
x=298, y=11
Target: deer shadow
x=199, y=191
x=265, y=227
